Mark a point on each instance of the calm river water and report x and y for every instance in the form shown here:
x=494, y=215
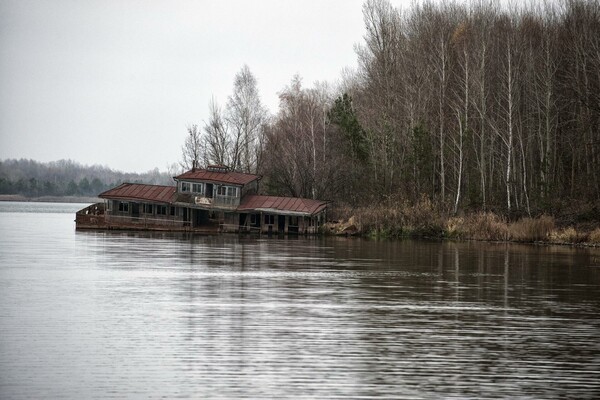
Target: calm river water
x=131, y=315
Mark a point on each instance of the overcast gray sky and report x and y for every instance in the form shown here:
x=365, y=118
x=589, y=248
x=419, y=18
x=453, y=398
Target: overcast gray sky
x=116, y=82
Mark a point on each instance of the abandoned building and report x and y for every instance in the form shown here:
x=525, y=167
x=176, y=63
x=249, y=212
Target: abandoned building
x=208, y=200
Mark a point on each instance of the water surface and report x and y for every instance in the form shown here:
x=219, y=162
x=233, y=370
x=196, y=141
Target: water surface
x=139, y=315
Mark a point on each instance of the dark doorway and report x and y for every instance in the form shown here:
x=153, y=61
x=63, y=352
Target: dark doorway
x=135, y=210
x=255, y=220
x=243, y=218
x=209, y=190
x=281, y=223
x=200, y=217
x=293, y=222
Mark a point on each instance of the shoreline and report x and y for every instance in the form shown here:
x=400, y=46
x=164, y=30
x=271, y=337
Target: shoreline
x=442, y=238
x=49, y=199
x=350, y=228
x=372, y=236
x=425, y=222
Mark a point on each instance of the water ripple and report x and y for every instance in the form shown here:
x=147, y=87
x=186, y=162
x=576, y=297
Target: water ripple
x=123, y=315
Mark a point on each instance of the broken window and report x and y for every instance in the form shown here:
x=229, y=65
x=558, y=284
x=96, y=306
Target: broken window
x=123, y=206
x=269, y=219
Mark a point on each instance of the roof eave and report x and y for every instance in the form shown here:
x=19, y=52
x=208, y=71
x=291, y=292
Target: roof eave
x=284, y=212
x=177, y=179
x=130, y=198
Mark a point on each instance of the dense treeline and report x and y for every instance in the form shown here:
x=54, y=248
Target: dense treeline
x=473, y=106
x=467, y=106
x=66, y=178
x=481, y=106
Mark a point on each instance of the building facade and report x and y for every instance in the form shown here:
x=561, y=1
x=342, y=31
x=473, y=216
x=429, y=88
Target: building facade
x=214, y=199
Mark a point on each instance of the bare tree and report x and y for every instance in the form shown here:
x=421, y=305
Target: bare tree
x=192, y=151
x=245, y=116
x=299, y=143
x=480, y=50
x=461, y=101
x=380, y=66
x=545, y=81
x=217, y=136
x=174, y=169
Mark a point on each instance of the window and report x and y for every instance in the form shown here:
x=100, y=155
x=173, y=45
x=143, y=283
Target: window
x=161, y=210
x=198, y=188
x=123, y=207
x=148, y=208
x=185, y=186
x=253, y=219
x=293, y=221
x=231, y=191
x=173, y=211
x=269, y=219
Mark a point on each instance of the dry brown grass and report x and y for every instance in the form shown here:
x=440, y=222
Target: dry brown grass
x=401, y=218
x=531, y=229
x=485, y=226
x=568, y=235
x=490, y=226
x=594, y=236
x=454, y=226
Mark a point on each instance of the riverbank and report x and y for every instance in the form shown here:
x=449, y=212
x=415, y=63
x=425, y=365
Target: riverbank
x=49, y=199
x=424, y=220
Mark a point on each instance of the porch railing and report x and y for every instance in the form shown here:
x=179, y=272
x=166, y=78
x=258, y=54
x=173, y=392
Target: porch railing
x=218, y=201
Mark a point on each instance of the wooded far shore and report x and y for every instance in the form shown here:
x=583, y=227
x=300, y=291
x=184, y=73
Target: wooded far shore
x=49, y=199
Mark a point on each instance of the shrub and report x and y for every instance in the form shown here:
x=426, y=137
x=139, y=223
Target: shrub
x=594, y=236
x=454, y=227
x=484, y=226
x=531, y=229
x=400, y=218
x=568, y=235
x=422, y=218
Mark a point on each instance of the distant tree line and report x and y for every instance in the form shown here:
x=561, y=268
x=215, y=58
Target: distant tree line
x=67, y=178
x=474, y=106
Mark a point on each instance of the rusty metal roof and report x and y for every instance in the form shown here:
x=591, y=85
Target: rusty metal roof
x=236, y=178
x=168, y=195
x=275, y=204
x=137, y=191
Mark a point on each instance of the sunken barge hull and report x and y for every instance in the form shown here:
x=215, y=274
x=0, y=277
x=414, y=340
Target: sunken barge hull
x=95, y=218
